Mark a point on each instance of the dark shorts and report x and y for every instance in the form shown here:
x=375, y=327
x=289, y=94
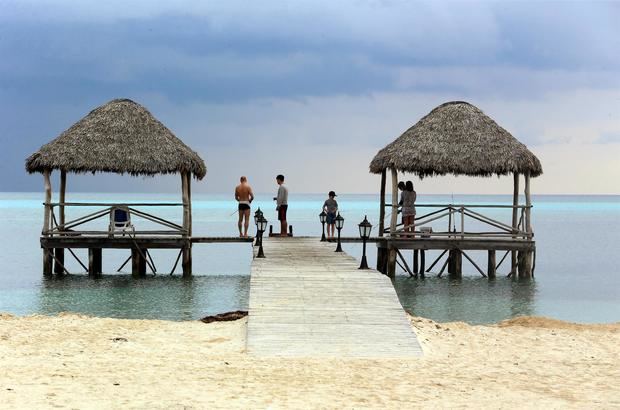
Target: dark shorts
x=331, y=218
x=282, y=212
x=244, y=207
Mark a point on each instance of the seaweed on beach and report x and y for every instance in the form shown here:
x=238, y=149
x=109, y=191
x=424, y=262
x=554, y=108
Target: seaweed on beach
x=225, y=317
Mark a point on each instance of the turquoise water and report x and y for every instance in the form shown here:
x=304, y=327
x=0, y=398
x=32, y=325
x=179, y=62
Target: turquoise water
x=577, y=276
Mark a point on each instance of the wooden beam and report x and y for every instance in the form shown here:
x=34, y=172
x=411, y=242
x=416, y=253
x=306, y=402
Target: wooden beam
x=382, y=204
x=61, y=196
x=515, y=222
x=189, y=201
x=48, y=200
x=185, y=196
x=528, y=204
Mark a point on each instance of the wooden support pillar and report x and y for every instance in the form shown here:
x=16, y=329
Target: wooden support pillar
x=59, y=253
x=47, y=261
x=59, y=261
x=187, y=261
x=382, y=260
x=528, y=204
x=415, y=261
x=189, y=203
x=491, y=264
x=48, y=201
x=61, y=196
x=187, y=224
x=95, y=258
x=391, y=268
x=455, y=263
x=515, y=220
x=138, y=263
x=382, y=204
x=525, y=257
x=422, y=262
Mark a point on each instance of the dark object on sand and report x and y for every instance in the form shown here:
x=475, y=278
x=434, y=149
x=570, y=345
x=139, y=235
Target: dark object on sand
x=225, y=317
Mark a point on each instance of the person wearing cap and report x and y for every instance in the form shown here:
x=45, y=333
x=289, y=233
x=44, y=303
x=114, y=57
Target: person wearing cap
x=331, y=208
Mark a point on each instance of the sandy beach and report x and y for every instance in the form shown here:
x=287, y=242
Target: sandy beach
x=72, y=361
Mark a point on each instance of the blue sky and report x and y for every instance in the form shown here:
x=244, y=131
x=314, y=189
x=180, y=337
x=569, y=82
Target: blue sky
x=314, y=89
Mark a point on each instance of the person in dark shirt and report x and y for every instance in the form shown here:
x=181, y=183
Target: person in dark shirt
x=331, y=208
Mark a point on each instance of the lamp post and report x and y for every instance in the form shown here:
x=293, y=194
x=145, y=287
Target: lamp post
x=257, y=215
x=261, y=225
x=323, y=219
x=365, y=228
x=339, y=225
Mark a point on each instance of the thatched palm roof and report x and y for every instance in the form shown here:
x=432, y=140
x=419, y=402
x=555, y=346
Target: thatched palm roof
x=457, y=138
x=121, y=137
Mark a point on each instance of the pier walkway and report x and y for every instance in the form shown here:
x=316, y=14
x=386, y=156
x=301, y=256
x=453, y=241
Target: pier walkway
x=308, y=301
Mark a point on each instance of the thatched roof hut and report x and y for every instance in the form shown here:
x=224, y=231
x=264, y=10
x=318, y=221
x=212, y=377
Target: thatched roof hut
x=457, y=138
x=121, y=137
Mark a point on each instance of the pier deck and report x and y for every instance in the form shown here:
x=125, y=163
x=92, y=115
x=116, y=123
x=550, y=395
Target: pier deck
x=308, y=301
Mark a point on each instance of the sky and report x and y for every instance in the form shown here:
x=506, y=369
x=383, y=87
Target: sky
x=313, y=89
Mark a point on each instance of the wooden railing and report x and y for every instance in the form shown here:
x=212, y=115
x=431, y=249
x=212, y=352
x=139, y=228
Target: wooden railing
x=457, y=215
x=68, y=228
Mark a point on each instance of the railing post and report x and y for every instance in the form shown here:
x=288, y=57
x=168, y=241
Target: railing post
x=462, y=222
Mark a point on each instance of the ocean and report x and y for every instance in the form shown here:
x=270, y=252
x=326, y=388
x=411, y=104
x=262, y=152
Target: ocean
x=577, y=276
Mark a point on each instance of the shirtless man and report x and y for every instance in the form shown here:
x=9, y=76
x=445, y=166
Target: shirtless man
x=245, y=196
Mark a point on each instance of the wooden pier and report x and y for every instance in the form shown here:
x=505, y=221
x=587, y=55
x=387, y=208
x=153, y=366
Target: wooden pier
x=308, y=301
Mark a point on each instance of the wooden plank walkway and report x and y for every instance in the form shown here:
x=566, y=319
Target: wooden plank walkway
x=308, y=301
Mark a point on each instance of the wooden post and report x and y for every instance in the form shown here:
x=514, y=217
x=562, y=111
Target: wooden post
x=455, y=263
x=382, y=204
x=48, y=254
x=391, y=268
x=528, y=204
x=382, y=260
x=48, y=200
x=525, y=260
x=422, y=262
x=59, y=253
x=59, y=261
x=94, y=262
x=491, y=264
x=515, y=214
x=61, y=196
x=189, y=202
x=47, y=261
x=187, y=249
x=138, y=263
x=415, y=261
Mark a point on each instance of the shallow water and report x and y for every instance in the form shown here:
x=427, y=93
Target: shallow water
x=576, y=273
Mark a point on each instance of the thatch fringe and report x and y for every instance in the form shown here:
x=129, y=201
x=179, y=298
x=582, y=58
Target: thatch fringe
x=457, y=138
x=121, y=137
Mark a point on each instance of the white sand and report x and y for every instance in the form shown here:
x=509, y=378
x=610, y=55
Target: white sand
x=72, y=361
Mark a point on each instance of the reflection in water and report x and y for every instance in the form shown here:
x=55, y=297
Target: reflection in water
x=472, y=300
x=159, y=297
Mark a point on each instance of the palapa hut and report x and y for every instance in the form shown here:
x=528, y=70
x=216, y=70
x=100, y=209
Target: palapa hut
x=120, y=137
x=458, y=138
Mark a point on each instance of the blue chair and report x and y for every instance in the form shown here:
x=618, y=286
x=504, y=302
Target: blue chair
x=120, y=220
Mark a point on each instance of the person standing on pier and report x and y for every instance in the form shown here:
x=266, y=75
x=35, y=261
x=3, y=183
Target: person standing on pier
x=331, y=208
x=245, y=196
x=282, y=204
x=408, y=198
